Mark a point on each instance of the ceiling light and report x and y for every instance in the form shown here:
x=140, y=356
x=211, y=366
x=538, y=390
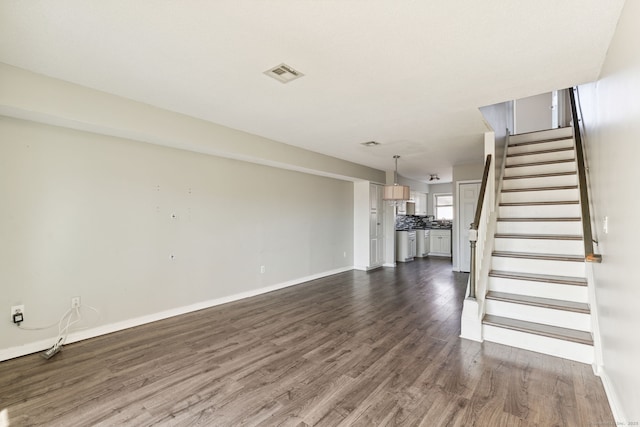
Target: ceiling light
x=394, y=194
x=434, y=177
x=283, y=73
x=370, y=143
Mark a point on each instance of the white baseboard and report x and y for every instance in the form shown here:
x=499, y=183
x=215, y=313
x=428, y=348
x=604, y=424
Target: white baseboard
x=612, y=397
x=41, y=345
x=366, y=268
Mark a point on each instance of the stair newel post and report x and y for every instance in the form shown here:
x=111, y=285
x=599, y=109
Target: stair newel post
x=473, y=238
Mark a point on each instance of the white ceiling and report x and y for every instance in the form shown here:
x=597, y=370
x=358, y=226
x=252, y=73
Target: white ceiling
x=409, y=74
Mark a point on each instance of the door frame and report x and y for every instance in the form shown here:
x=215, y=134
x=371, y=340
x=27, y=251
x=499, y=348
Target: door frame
x=458, y=222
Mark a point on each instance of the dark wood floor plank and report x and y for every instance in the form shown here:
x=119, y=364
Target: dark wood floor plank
x=357, y=348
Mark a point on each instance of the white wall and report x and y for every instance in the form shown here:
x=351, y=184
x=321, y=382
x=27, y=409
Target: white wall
x=499, y=119
x=90, y=215
x=533, y=113
x=417, y=186
x=611, y=109
x=91, y=180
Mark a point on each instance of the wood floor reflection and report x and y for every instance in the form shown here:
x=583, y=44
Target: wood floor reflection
x=376, y=348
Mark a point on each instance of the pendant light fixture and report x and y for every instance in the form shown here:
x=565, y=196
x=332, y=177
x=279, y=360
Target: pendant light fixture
x=394, y=194
x=434, y=177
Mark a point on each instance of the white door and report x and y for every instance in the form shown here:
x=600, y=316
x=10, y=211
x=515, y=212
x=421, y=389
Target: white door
x=467, y=200
x=376, y=248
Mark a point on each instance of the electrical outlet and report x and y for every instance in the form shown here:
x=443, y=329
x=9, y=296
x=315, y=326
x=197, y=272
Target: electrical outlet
x=262, y=269
x=16, y=309
x=75, y=302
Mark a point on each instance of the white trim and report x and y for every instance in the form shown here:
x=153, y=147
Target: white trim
x=34, y=347
x=612, y=397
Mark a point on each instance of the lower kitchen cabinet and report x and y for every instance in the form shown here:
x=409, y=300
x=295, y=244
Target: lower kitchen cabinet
x=440, y=243
x=422, y=243
x=405, y=245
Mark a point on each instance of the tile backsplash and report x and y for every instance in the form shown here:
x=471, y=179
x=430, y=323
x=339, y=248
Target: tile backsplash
x=410, y=221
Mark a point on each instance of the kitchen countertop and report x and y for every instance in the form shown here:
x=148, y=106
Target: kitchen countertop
x=423, y=228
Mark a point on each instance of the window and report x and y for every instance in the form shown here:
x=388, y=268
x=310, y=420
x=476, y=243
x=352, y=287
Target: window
x=443, y=206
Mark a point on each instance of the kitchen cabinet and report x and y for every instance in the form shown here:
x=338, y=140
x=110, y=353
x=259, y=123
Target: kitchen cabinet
x=405, y=245
x=418, y=205
x=422, y=243
x=420, y=199
x=440, y=243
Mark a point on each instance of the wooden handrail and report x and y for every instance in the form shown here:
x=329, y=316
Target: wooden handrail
x=483, y=189
x=587, y=233
x=473, y=233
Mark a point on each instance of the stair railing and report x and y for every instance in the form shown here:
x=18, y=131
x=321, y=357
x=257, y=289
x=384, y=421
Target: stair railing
x=587, y=232
x=477, y=245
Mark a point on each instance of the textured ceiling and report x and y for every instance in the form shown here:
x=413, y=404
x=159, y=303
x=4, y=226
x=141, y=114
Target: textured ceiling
x=409, y=74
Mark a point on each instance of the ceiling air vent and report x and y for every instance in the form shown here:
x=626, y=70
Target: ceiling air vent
x=370, y=143
x=283, y=73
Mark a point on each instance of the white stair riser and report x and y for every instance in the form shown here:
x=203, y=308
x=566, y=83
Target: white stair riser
x=540, y=211
x=540, y=246
x=539, y=289
x=540, y=196
x=538, y=266
x=554, y=347
x=538, y=169
x=538, y=136
x=549, y=181
x=564, y=143
x=542, y=227
x=542, y=157
x=546, y=316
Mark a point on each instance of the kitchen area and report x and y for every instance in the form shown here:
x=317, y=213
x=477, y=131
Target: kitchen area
x=419, y=235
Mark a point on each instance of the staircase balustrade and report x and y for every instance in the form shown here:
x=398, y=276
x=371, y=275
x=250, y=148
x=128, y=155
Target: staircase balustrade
x=587, y=232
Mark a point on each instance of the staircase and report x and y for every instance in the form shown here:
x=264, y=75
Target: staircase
x=537, y=295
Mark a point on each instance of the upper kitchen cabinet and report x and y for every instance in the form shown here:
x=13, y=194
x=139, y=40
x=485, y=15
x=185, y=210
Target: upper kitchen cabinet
x=420, y=199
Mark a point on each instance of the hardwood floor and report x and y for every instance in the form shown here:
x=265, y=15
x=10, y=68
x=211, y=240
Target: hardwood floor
x=376, y=348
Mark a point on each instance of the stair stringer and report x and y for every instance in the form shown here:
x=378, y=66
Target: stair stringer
x=473, y=310
x=598, y=362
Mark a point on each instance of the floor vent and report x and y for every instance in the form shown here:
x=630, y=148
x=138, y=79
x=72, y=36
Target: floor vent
x=283, y=73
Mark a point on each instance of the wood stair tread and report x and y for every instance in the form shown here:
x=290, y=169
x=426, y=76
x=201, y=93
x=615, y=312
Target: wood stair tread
x=540, y=256
x=540, y=141
x=538, y=236
x=540, y=219
x=541, y=175
x=556, y=332
x=551, y=188
x=548, y=162
x=551, y=150
x=545, y=278
x=543, y=203
x=576, y=307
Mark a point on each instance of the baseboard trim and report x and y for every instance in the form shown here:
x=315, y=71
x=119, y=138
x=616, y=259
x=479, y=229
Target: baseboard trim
x=41, y=345
x=612, y=397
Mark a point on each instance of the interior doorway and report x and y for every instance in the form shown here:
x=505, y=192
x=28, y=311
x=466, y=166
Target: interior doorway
x=467, y=195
